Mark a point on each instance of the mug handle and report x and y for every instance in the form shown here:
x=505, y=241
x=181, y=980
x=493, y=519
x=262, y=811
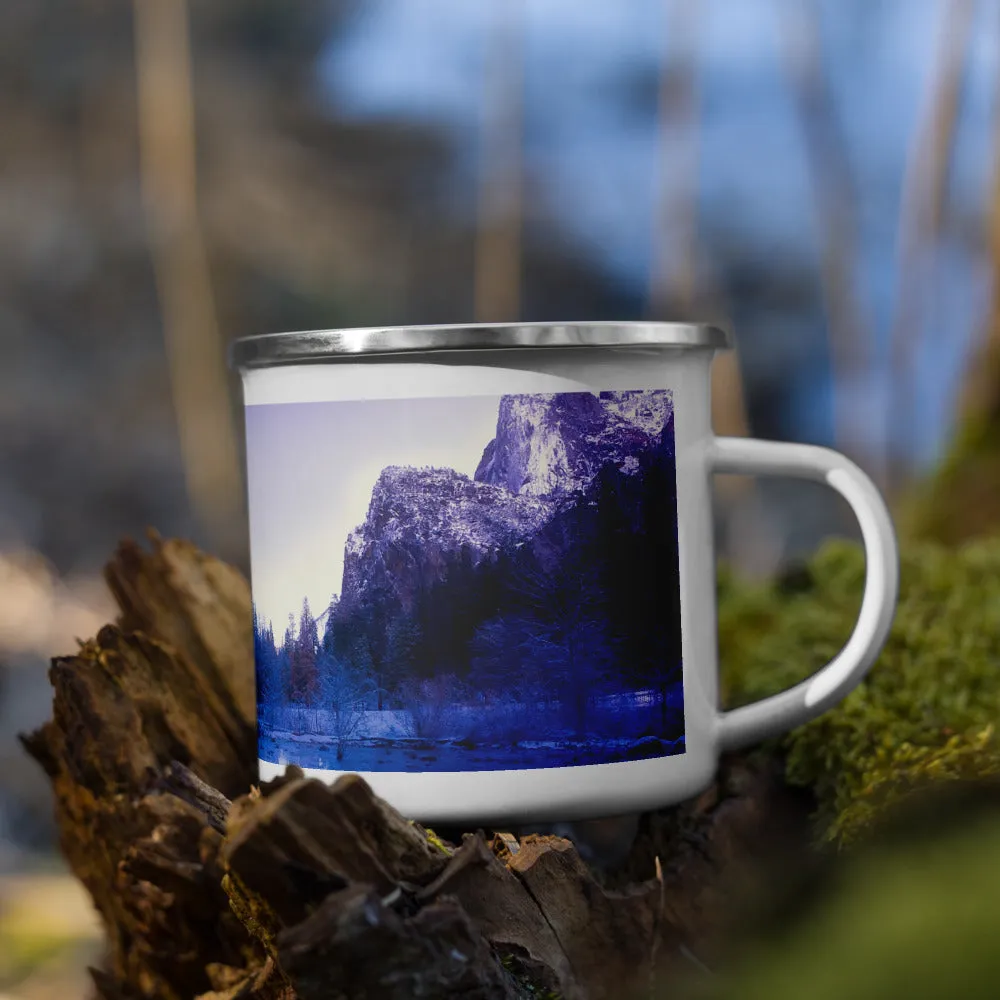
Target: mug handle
x=784, y=711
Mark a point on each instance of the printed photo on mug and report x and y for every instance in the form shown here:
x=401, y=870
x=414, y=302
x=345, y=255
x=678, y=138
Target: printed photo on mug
x=467, y=583
x=483, y=565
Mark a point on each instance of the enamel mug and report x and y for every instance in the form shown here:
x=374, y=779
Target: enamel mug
x=483, y=571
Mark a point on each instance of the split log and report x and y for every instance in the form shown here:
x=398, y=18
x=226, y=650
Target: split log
x=209, y=886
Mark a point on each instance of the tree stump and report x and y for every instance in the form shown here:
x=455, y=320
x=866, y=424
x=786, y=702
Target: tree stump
x=210, y=886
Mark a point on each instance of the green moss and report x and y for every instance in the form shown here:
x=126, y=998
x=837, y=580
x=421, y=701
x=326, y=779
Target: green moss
x=961, y=499
x=435, y=841
x=250, y=909
x=909, y=918
x=926, y=711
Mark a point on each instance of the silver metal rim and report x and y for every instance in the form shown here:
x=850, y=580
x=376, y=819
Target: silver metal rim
x=317, y=345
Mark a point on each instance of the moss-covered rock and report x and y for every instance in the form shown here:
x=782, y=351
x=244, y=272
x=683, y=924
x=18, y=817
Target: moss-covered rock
x=927, y=709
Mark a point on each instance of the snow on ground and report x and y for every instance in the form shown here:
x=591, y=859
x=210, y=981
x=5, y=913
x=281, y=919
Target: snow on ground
x=416, y=755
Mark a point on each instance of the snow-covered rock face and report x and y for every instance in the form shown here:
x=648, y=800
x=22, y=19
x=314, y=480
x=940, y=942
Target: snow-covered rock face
x=447, y=509
x=649, y=410
x=556, y=443
x=419, y=518
x=547, y=451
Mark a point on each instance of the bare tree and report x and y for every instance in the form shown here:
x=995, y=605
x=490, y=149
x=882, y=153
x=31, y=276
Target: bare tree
x=345, y=694
x=497, y=293
x=980, y=394
x=194, y=346
x=682, y=285
x=925, y=186
x=836, y=199
x=673, y=279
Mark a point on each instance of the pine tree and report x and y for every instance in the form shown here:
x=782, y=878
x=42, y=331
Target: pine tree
x=329, y=642
x=266, y=659
x=303, y=669
x=554, y=637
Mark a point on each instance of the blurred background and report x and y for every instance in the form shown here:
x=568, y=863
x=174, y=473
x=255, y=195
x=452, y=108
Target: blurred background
x=819, y=176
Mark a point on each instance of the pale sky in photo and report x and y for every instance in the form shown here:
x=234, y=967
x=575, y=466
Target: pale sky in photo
x=311, y=468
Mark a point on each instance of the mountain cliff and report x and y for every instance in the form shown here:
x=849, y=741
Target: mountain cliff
x=572, y=485
x=556, y=443
x=420, y=520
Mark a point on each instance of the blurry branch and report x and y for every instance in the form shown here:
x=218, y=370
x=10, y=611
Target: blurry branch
x=961, y=500
x=682, y=287
x=673, y=279
x=497, y=293
x=677, y=289
x=979, y=395
x=752, y=542
x=194, y=347
x=925, y=187
x=836, y=200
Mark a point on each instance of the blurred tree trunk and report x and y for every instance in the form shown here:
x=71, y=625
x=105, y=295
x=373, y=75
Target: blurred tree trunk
x=925, y=188
x=497, y=292
x=198, y=378
x=850, y=333
x=673, y=279
x=961, y=499
x=681, y=285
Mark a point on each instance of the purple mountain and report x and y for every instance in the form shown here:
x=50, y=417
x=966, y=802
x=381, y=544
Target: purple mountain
x=535, y=473
x=555, y=444
x=419, y=520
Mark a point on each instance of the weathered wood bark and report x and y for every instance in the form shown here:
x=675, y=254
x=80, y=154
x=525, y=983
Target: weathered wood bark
x=212, y=887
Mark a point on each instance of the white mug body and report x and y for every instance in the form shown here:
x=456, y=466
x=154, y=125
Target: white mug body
x=524, y=795
x=348, y=435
